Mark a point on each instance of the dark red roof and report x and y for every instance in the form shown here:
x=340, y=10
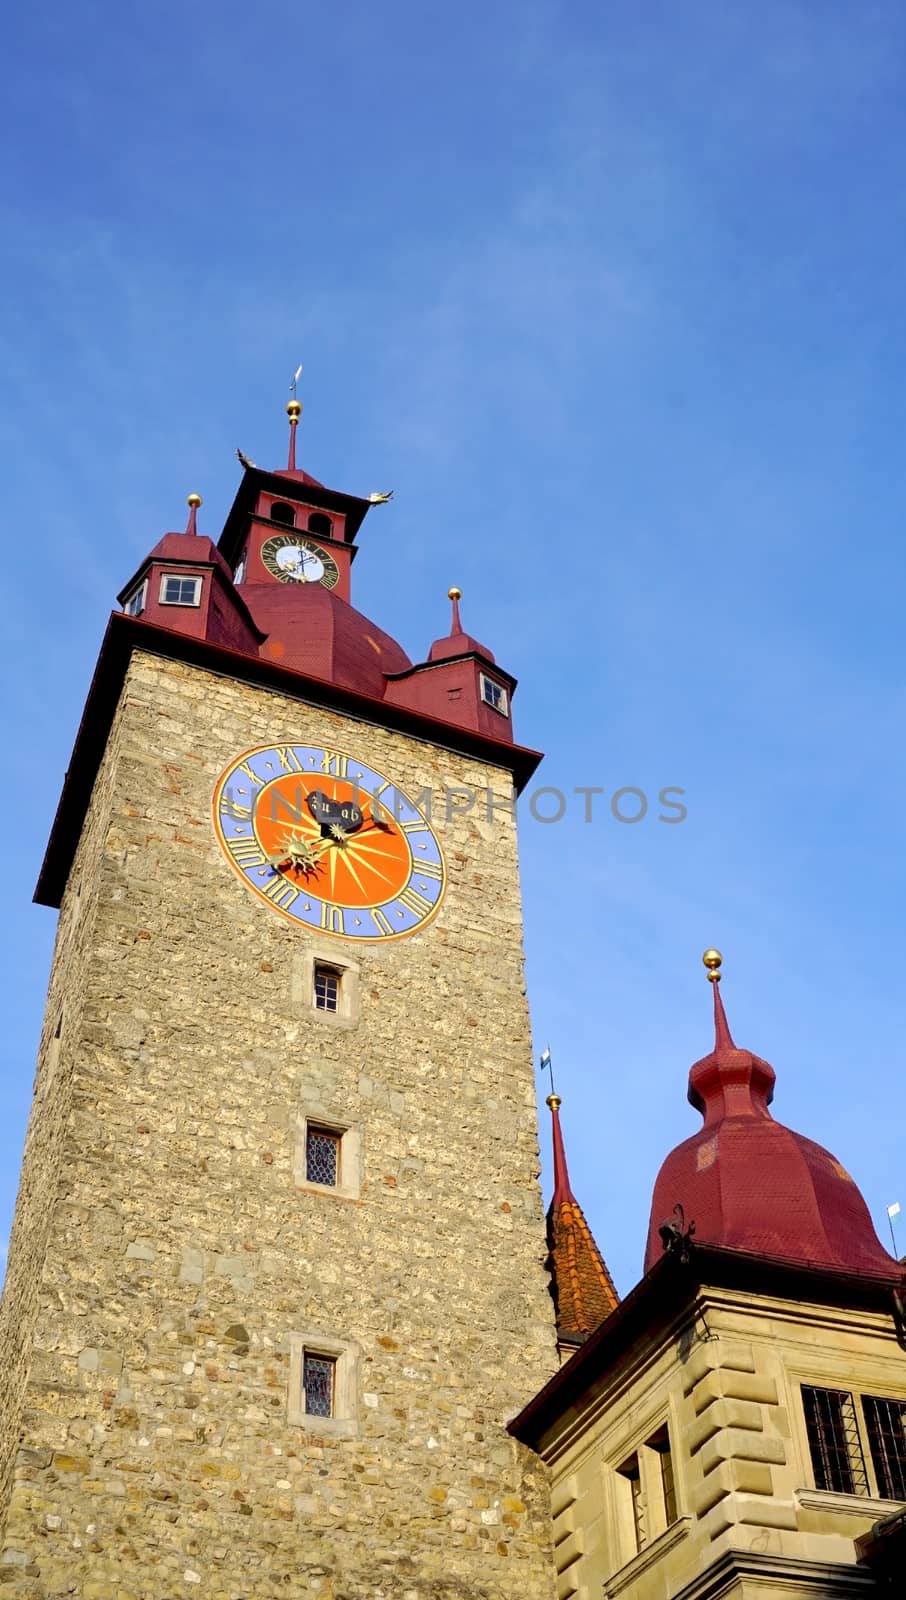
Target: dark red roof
x=749, y=1183
x=310, y=629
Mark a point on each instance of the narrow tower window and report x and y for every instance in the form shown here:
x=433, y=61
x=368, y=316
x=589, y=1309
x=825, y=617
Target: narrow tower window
x=322, y=1156
x=135, y=602
x=239, y=574
x=327, y=989
x=318, y=1374
x=319, y=523
x=494, y=694
x=281, y=512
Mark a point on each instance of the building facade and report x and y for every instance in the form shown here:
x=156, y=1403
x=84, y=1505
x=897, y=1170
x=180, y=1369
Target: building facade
x=284, y=1105
x=737, y=1425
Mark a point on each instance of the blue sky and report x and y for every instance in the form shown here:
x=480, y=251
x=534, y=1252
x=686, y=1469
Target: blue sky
x=613, y=299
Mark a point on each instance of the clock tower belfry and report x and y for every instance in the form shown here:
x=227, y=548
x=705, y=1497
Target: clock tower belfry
x=276, y=1279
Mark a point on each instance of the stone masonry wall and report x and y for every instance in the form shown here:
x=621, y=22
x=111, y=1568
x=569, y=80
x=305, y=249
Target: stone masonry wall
x=51, y=1107
x=157, y=1456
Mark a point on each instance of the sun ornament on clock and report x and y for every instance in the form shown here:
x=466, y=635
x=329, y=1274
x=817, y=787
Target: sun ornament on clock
x=329, y=842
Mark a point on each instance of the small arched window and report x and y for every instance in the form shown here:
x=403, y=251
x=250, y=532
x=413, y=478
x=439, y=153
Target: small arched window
x=281, y=512
x=318, y=523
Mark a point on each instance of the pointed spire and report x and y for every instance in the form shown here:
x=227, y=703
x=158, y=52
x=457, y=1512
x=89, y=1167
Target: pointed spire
x=562, y=1190
x=581, y=1285
x=455, y=626
x=193, y=502
x=294, y=412
x=723, y=1040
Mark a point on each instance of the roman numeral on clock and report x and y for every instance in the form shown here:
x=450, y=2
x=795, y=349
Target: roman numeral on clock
x=287, y=757
x=335, y=764
x=429, y=869
x=232, y=808
x=381, y=923
x=281, y=893
x=247, y=852
x=415, y=902
x=331, y=918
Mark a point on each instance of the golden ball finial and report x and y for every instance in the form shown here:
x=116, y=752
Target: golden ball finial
x=713, y=961
x=294, y=410
x=194, y=500
x=454, y=594
x=554, y=1101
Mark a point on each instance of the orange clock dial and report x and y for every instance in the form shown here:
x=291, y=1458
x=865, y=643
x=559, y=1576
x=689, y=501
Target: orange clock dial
x=329, y=842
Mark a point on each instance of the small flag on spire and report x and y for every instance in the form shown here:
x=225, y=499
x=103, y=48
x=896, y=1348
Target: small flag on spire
x=894, y=1210
x=546, y=1061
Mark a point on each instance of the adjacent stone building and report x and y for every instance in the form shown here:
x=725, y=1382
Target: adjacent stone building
x=737, y=1426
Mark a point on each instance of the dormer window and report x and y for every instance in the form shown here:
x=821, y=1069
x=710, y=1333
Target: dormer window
x=179, y=591
x=134, y=603
x=320, y=524
x=494, y=694
x=281, y=512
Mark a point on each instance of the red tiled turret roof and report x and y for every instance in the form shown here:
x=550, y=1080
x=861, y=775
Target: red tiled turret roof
x=749, y=1183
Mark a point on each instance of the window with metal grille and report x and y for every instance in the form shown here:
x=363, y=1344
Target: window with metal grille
x=322, y=1156
x=833, y=1440
x=327, y=989
x=886, y=1424
x=176, y=591
x=318, y=1383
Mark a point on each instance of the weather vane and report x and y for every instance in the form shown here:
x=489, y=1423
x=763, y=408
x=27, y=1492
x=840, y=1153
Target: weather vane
x=295, y=379
x=546, y=1065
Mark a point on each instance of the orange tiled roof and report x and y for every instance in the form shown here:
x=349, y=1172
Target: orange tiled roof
x=581, y=1285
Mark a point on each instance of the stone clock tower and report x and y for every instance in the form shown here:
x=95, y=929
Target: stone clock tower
x=276, y=1279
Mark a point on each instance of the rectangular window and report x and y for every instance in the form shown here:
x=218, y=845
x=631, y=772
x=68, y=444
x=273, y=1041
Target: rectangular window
x=494, y=694
x=660, y=1444
x=631, y=1471
x=886, y=1424
x=135, y=603
x=178, y=591
x=318, y=1374
x=322, y=1156
x=833, y=1440
x=327, y=989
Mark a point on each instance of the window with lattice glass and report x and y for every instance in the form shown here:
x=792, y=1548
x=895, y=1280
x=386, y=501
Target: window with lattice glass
x=660, y=1445
x=180, y=591
x=318, y=1375
x=885, y=1421
x=322, y=1156
x=327, y=989
x=833, y=1440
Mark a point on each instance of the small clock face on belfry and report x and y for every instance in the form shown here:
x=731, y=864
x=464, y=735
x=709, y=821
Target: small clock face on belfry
x=329, y=842
x=295, y=560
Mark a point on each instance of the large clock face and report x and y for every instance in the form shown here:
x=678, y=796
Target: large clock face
x=295, y=560
x=329, y=842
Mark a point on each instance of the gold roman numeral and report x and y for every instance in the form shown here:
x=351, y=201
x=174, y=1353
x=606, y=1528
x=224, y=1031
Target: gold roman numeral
x=244, y=766
x=414, y=827
x=281, y=893
x=429, y=869
x=288, y=759
x=415, y=902
x=246, y=852
x=232, y=808
x=334, y=763
x=331, y=918
x=383, y=926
